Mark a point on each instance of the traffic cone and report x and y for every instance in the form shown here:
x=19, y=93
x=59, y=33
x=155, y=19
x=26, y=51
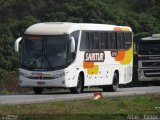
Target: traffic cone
x=98, y=95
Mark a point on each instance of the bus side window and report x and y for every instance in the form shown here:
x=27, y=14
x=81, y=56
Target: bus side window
x=128, y=40
x=103, y=39
x=84, y=45
x=112, y=40
x=120, y=41
x=94, y=40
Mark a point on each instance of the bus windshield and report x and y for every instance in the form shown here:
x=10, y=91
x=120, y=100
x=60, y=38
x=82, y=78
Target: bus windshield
x=149, y=47
x=44, y=52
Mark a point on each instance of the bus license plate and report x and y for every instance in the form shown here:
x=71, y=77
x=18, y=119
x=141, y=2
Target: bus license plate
x=40, y=83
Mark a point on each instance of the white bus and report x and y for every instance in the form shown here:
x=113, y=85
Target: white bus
x=75, y=55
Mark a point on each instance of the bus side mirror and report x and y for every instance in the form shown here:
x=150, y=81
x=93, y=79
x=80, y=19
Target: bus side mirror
x=72, y=44
x=16, y=45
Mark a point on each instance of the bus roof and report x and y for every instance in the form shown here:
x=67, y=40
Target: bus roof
x=62, y=28
x=153, y=37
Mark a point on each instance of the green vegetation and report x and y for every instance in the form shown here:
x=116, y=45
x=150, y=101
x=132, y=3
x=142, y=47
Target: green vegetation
x=88, y=109
x=16, y=15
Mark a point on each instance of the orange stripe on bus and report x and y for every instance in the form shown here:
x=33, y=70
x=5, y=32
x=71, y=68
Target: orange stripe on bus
x=118, y=29
x=88, y=64
x=120, y=55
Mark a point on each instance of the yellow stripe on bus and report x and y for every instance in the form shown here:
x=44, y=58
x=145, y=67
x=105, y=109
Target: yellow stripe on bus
x=93, y=70
x=125, y=29
x=128, y=57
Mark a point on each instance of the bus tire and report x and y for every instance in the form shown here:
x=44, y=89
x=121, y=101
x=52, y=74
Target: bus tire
x=114, y=86
x=80, y=86
x=38, y=90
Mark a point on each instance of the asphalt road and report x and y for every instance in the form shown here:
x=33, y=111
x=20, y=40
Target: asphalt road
x=64, y=96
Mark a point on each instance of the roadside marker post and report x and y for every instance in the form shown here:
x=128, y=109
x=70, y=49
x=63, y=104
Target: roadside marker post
x=97, y=96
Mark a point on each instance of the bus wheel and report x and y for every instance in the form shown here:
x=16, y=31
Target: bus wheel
x=114, y=86
x=80, y=86
x=37, y=90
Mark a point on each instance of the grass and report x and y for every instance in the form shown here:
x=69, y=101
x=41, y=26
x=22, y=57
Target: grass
x=112, y=108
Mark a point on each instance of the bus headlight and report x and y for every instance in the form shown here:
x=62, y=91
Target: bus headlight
x=23, y=74
x=59, y=75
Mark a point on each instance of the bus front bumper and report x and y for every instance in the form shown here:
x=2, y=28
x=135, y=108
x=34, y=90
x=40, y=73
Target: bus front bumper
x=26, y=82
